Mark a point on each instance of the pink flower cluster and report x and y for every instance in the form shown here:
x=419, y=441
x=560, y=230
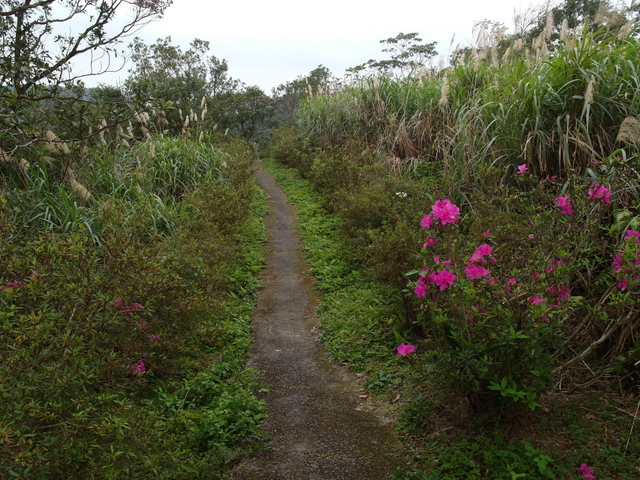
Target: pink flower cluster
x=122, y=308
x=442, y=278
x=587, y=472
x=599, y=192
x=404, y=349
x=565, y=205
x=12, y=285
x=596, y=192
x=140, y=367
x=626, y=265
x=444, y=211
x=474, y=269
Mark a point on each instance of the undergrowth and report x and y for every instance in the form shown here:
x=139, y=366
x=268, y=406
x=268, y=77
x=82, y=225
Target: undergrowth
x=364, y=320
x=125, y=327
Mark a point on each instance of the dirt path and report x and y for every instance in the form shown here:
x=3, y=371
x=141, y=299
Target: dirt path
x=318, y=432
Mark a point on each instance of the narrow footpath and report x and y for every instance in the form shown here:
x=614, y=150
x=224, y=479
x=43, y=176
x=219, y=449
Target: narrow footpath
x=316, y=428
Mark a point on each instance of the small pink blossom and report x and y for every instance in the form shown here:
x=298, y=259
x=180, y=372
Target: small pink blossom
x=617, y=262
x=632, y=234
x=404, y=349
x=445, y=211
x=522, y=169
x=481, y=252
x=565, y=205
x=443, y=279
x=474, y=272
x=139, y=368
x=429, y=241
x=531, y=236
x=536, y=299
x=153, y=337
x=421, y=288
x=623, y=284
x=599, y=192
x=486, y=234
x=427, y=222
x=587, y=472
x=143, y=325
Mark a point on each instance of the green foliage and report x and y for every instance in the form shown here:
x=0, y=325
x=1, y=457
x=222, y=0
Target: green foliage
x=193, y=88
x=558, y=111
x=106, y=332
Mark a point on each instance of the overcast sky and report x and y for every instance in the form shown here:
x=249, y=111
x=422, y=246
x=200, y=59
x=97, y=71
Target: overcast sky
x=269, y=42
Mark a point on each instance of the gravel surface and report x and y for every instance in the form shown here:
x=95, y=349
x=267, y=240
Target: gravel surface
x=318, y=425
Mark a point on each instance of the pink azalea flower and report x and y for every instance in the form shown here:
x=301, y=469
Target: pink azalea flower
x=562, y=292
x=427, y=221
x=522, y=169
x=153, y=337
x=486, y=234
x=623, y=284
x=404, y=349
x=445, y=211
x=587, y=472
x=617, y=262
x=632, y=234
x=599, y=192
x=474, y=272
x=139, y=368
x=430, y=241
x=143, y=325
x=565, y=205
x=421, y=288
x=481, y=252
x=444, y=279
x=536, y=299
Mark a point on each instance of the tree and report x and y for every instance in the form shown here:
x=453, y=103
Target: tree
x=408, y=56
x=287, y=96
x=574, y=14
x=39, y=38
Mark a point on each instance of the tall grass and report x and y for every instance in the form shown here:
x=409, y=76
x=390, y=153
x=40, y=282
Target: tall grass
x=556, y=112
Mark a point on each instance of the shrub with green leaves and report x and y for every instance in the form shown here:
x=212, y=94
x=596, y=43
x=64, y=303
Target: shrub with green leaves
x=503, y=285
x=101, y=317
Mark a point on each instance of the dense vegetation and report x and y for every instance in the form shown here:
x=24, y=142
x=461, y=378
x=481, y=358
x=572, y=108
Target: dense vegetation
x=474, y=232
x=127, y=268
x=499, y=200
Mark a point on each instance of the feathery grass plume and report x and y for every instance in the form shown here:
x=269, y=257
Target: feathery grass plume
x=145, y=132
x=5, y=157
x=588, y=96
x=564, y=30
x=121, y=133
x=137, y=117
x=79, y=190
x=24, y=165
x=200, y=136
x=507, y=54
x=625, y=30
x=125, y=142
x=444, y=95
x=548, y=27
x=152, y=150
x=51, y=145
x=629, y=132
x=102, y=129
x=130, y=130
x=203, y=103
x=146, y=118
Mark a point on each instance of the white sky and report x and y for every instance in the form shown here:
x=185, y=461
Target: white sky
x=267, y=43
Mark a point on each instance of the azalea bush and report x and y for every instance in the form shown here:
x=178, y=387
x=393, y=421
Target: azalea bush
x=501, y=304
